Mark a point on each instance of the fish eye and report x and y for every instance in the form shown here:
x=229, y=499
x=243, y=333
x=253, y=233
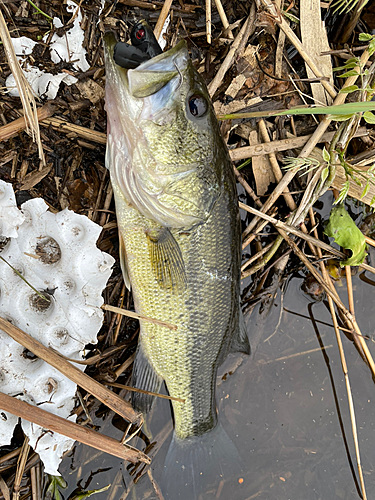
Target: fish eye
x=197, y=105
x=140, y=34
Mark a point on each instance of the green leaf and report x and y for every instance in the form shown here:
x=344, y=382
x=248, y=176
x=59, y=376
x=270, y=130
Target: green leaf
x=340, y=118
x=371, y=47
x=367, y=187
x=365, y=37
x=343, y=193
x=343, y=109
x=290, y=16
x=342, y=228
x=326, y=156
x=349, y=89
x=369, y=117
x=324, y=173
x=350, y=65
x=352, y=72
x=87, y=494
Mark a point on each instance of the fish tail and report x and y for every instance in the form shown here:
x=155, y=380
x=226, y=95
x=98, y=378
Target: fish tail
x=199, y=463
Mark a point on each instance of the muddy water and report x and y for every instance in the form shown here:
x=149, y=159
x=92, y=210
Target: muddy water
x=285, y=408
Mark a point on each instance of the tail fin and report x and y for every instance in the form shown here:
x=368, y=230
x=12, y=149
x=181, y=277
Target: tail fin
x=198, y=464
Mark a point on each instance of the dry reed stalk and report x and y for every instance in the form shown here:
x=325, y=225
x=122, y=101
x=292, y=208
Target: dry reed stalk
x=103, y=394
x=74, y=431
x=223, y=18
x=243, y=35
x=4, y=489
x=24, y=88
x=256, y=256
x=135, y=315
x=208, y=21
x=350, y=397
x=21, y=463
x=16, y=126
x=134, y=389
x=162, y=17
x=309, y=146
x=279, y=19
x=331, y=293
x=75, y=130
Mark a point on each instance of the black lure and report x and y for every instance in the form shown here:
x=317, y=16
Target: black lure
x=144, y=46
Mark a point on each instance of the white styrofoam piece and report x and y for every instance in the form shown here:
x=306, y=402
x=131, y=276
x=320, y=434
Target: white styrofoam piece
x=10, y=217
x=23, y=46
x=70, y=46
x=58, y=253
x=43, y=84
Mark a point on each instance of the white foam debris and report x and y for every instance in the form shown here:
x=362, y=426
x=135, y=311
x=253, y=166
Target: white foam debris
x=69, y=47
x=43, y=84
x=10, y=217
x=23, y=47
x=56, y=254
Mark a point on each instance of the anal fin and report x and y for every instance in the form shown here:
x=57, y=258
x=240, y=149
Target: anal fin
x=240, y=341
x=144, y=377
x=166, y=257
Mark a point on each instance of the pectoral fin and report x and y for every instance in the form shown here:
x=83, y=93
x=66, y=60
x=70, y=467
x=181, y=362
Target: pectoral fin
x=123, y=265
x=144, y=377
x=166, y=258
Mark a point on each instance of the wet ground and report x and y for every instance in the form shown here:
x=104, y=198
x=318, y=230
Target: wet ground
x=285, y=407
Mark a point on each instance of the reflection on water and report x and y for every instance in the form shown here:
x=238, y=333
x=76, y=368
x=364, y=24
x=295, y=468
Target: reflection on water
x=285, y=408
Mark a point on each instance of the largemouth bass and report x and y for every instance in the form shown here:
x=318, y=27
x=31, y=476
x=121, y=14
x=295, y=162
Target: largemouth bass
x=179, y=227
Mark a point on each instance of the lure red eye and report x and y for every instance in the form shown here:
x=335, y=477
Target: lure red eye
x=140, y=34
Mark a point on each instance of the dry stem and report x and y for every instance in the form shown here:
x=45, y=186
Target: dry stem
x=104, y=395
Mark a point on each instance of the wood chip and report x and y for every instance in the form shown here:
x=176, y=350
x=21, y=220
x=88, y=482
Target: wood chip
x=262, y=169
x=33, y=178
x=315, y=41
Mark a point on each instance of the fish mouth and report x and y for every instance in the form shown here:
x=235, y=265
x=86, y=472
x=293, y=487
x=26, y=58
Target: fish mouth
x=152, y=75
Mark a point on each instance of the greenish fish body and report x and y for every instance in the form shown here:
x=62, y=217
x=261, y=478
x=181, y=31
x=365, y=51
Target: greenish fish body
x=179, y=229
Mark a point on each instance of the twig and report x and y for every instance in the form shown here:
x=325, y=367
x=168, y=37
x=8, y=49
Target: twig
x=348, y=274
x=283, y=145
x=331, y=294
x=67, y=428
x=208, y=21
x=4, y=489
x=104, y=395
x=280, y=20
x=256, y=256
x=21, y=463
x=275, y=165
x=16, y=126
x=24, y=88
x=303, y=353
x=70, y=128
x=162, y=17
x=242, y=35
x=350, y=397
x=135, y=315
x=246, y=187
x=257, y=230
x=223, y=18
x=135, y=389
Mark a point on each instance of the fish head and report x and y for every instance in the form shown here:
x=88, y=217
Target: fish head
x=164, y=147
